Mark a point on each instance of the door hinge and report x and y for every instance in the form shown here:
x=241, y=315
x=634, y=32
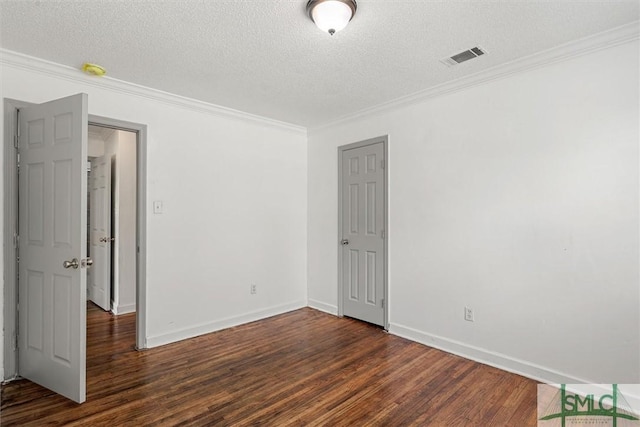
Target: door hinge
x=382, y=164
x=382, y=303
x=382, y=234
x=18, y=162
x=16, y=239
x=17, y=133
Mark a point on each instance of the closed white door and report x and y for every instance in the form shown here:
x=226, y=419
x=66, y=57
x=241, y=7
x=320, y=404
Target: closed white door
x=100, y=232
x=53, y=224
x=363, y=239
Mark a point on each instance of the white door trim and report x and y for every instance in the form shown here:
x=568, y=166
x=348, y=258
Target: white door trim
x=10, y=369
x=10, y=227
x=141, y=220
x=385, y=144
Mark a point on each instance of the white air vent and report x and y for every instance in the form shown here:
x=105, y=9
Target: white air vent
x=461, y=57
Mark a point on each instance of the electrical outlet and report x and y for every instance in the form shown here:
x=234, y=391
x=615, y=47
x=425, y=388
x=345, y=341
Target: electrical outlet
x=254, y=289
x=468, y=314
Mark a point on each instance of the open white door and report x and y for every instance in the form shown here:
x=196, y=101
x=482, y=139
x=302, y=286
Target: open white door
x=53, y=224
x=100, y=232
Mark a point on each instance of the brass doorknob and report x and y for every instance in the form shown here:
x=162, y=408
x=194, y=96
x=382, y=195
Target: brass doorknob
x=71, y=264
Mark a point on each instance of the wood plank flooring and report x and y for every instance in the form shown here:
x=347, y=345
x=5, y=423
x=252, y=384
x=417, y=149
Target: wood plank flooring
x=303, y=368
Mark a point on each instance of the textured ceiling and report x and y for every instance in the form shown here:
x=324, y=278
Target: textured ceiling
x=266, y=57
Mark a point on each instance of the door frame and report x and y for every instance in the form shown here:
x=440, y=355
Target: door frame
x=10, y=225
x=385, y=147
x=141, y=217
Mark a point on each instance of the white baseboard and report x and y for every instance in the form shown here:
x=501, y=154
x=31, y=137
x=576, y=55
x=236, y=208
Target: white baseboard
x=194, y=331
x=487, y=357
x=327, y=308
x=123, y=308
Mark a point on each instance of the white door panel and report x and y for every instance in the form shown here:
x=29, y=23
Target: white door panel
x=53, y=210
x=100, y=232
x=363, y=240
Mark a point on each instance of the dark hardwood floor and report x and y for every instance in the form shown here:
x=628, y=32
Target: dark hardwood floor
x=300, y=368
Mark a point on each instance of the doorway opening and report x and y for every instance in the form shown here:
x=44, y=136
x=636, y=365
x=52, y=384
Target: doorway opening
x=111, y=224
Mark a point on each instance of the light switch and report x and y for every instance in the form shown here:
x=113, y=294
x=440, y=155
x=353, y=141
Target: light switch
x=157, y=206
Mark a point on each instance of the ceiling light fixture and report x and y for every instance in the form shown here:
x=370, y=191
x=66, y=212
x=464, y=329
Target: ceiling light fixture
x=331, y=15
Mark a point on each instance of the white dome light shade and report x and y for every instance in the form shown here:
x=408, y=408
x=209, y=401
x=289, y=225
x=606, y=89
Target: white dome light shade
x=331, y=15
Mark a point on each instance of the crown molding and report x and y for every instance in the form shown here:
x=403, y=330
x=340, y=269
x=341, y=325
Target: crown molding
x=610, y=38
x=606, y=39
x=42, y=66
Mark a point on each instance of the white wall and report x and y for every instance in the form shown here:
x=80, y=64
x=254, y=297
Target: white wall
x=95, y=146
x=234, y=193
x=124, y=296
x=517, y=197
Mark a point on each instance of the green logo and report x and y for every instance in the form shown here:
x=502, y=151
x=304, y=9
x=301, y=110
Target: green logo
x=567, y=405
